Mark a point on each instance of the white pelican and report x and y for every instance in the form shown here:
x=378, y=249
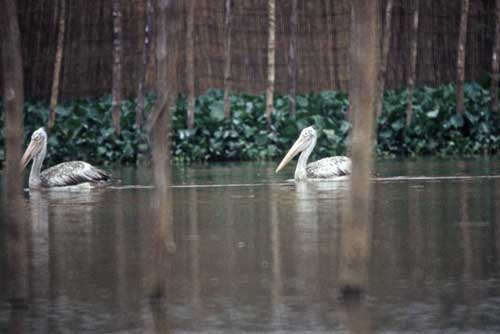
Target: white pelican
x=322, y=169
x=72, y=173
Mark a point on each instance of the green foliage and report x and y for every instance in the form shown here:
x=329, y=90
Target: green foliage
x=436, y=128
x=84, y=128
x=244, y=136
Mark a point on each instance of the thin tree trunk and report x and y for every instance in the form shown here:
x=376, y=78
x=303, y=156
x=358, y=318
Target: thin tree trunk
x=117, y=64
x=495, y=61
x=57, y=64
x=364, y=57
x=166, y=50
x=227, y=59
x=159, y=125
x=386, y=46
x=462, y=40
x=292, y=61
x=190, y=63
x=413, y=62
x=148, y=34
x=13, y=100
x=271, y=48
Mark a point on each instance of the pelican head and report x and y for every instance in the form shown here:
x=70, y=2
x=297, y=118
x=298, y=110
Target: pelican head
x=305, y=143
x=36, y=148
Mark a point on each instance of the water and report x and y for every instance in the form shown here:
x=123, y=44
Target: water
x=250, y=252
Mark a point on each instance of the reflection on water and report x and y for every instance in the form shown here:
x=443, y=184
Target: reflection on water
x=260, y=258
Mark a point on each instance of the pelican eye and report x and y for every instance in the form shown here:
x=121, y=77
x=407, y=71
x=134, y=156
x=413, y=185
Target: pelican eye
x=36, y=138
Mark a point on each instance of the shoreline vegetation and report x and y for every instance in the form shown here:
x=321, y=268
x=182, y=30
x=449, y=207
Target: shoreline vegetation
x=84, y=129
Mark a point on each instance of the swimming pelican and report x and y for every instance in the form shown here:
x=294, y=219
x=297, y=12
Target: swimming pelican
x=322, y=169
x=72, y=173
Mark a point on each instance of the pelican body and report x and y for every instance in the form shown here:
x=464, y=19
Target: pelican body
x=66, y=174
x=322, y=169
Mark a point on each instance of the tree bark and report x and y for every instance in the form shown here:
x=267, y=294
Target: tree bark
x=271, y=50
x=364, y=57
x=13, y=100
x=57, y=64
x=227, y=59
x=148, y=35
x=413, y=62
x=462, y=40
x=190, y=63
x=117, y=64
x=292, y=60
x=495, y=61
x=386, y=46
x=166, y=28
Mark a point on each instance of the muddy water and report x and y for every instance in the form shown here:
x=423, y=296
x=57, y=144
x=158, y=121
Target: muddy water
x=250, y=252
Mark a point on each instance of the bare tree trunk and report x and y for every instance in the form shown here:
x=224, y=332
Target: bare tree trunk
x=462, y=40
x=117, y=64
x=57, y=64
x=13, y=100
x=495, y=61
x=166, y=69
x=271, y=49
x=386, y=45
x=227, y=59
x=292, y=61
x=159, y=127
x=190, y=63
x=148, y=35
x=413, y=62
x=364, y=57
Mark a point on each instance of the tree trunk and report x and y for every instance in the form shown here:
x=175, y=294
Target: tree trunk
x=227, y=59
x=495, y=61
x=364, y=57
x=271, y=48
x=13, y=100
x=148, y=35
x=159, y=125
x=413, y=62
x=462, y=40
x=166, y=40
x=190, y=63
x=117, y=64
x=292, y=60
x=57, y=64
x=386, y=46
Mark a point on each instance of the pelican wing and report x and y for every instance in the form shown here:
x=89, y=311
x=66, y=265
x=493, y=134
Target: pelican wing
x=329, y=167
x=72, y=173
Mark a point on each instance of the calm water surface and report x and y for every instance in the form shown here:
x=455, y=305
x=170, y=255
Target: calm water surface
x=250, y=252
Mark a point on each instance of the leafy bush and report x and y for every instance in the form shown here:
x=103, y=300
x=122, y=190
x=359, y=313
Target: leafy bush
x=84, y=128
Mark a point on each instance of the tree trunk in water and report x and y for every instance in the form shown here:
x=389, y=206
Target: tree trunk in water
x=364, y=57
x=386, y=45
x=495, y=61
x=148, y=34
x=117, y=64
x=159, y=127
x=13, y=100
x=462, y=40
x=57, y=64
x=413, y=62
x=227, y=59
x=271, y=49
x=190, y=63
x=292, y=60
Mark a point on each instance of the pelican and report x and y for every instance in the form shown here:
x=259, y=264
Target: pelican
x=72, y=173
x=322, y=169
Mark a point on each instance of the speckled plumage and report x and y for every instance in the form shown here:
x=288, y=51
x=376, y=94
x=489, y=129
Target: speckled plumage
x=73, y=173
x=329, y=167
